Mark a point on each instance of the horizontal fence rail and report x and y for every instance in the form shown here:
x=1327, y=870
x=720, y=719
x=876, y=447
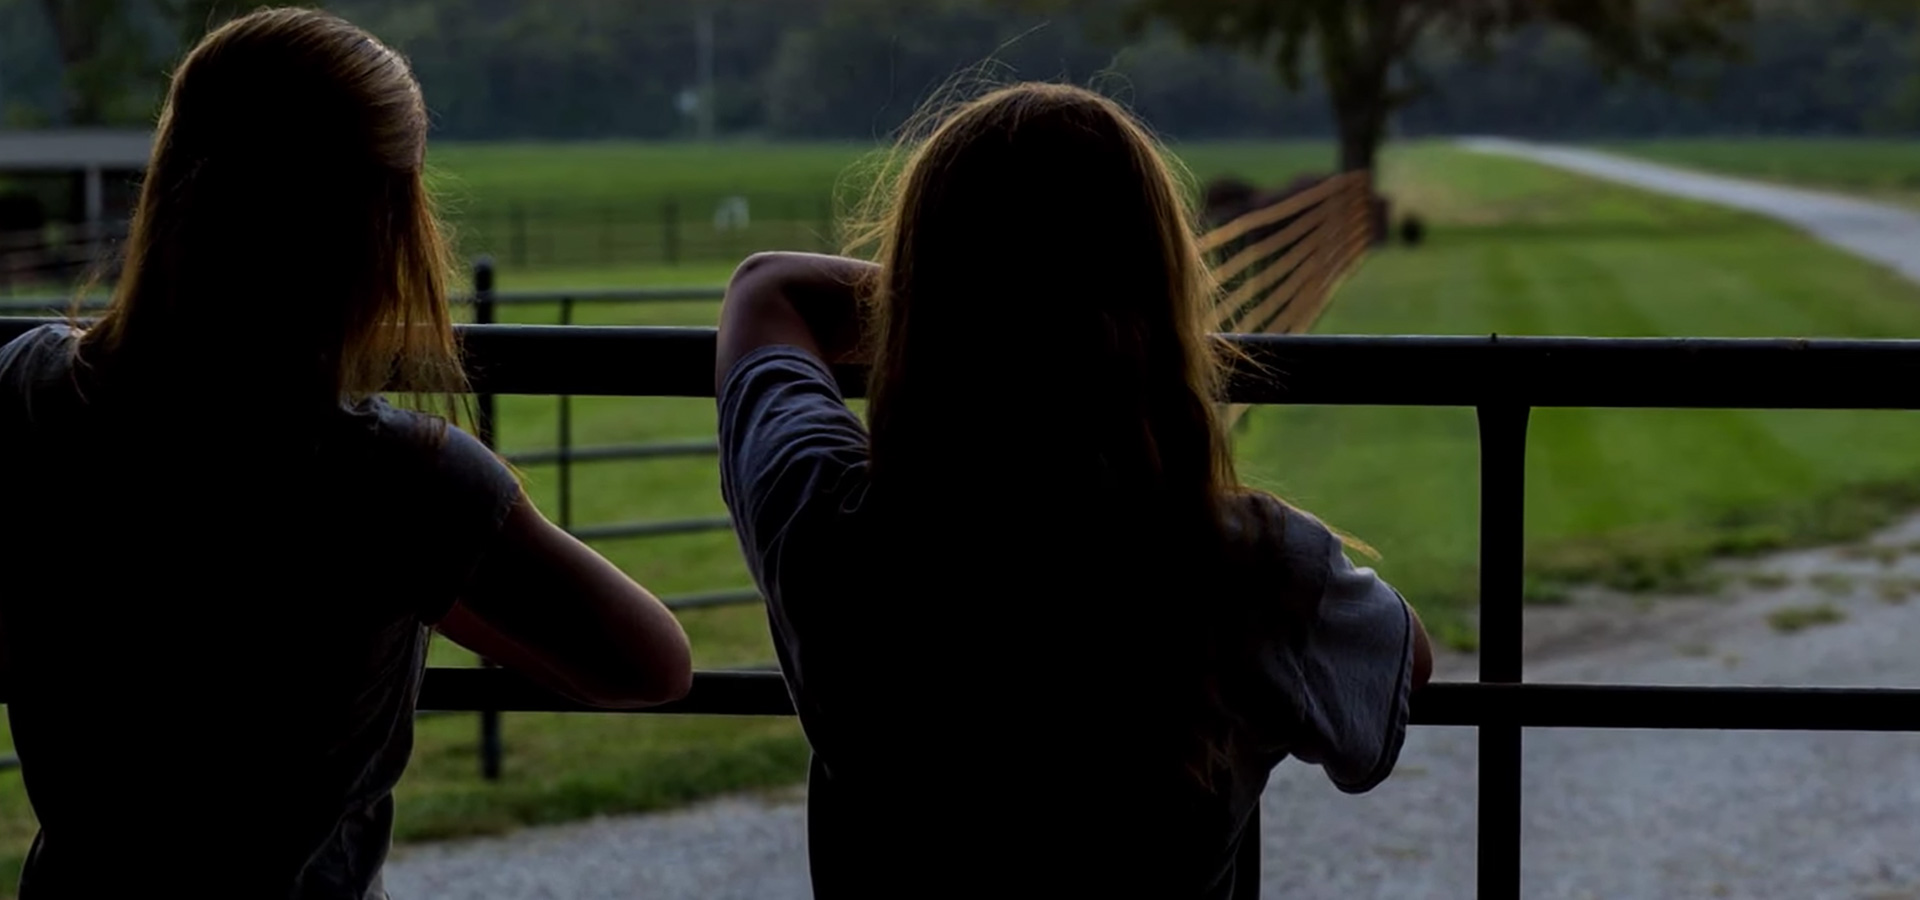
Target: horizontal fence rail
x=710, y=599
x=615, y=452
x=1669, y=373
x=60, y=304
x=608, y=295
x=1458, y=704
x=1663, y=373
x=1649, y=373
x=651, y=529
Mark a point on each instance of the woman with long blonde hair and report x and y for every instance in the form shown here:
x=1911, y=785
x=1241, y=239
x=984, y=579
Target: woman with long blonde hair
x=227, y=552
x=1040, y=637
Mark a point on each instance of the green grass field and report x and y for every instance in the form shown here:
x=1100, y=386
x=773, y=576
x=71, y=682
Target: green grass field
x=543, y=208
x=1632, y=498
x=590, y=173
x=1885, y=169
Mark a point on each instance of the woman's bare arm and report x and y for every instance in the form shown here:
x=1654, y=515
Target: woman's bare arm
x=805, y=300
x=550, y=607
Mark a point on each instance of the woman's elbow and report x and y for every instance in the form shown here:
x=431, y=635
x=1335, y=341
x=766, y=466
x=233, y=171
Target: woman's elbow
x=662, y=678
x=673, y=681
x=752, y=272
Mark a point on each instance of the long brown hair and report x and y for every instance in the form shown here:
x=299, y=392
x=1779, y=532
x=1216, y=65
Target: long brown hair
x=284, y=242
x=1038, y=237
x=1044, y=392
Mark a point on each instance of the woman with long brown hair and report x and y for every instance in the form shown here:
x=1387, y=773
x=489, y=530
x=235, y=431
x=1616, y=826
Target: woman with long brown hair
x=1040, y=637
x=227, y=550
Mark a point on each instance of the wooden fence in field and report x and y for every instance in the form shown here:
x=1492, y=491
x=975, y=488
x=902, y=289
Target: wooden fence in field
x=1278, y=266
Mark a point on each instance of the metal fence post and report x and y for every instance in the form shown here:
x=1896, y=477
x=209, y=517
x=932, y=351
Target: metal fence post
x=670, y=235
x=483, y=314
x=1503, y=482
x=566, y=436
x=517, y=234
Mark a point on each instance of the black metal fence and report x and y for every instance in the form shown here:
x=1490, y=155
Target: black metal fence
x=521, y=234
x=563, y=455
x=33, y=259
x=1502, y=378
x=671, y=230
x=487, y=305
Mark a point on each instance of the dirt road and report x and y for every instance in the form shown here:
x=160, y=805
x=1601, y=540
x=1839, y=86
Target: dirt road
x=1879, y=232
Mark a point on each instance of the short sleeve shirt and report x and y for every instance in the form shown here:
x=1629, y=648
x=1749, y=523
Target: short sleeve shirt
x=217, y=624
x=1325, y=681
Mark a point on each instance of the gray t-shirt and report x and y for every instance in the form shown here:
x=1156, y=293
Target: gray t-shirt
x=217, y=617
x=903, y=799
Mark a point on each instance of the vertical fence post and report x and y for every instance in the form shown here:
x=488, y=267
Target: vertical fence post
x=607, y=253
x=566, y=436
x=670, y=233
x=483, y=314
x=517, y=234
x=1503, y=481
x=549, y=256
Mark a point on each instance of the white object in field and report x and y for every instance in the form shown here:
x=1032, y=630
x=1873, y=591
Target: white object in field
x=731, y=214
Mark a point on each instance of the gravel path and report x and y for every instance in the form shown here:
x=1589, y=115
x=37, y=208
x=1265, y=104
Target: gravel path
x=1622, y=815
x=1885, y=234
x=1609, y=814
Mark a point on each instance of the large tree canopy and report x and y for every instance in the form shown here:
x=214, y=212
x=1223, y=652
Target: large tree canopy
x=1366, y=50
x=839, y=69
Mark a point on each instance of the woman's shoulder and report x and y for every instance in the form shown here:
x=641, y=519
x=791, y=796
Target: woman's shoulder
x=1269, y=526
x=37, y=371
x=430, y=453
x=1282, y=546
x=39, y=351
x=422, y=434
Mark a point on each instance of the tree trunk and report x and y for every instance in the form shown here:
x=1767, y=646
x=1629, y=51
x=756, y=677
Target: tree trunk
x=1362, y=124
x=1356, y=60
x=1361, y=117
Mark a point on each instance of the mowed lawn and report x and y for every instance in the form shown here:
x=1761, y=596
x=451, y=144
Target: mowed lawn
x=1632, y=498
x=1883, y=169
x=1635, y=498
x=611, y=208
x=612, y=171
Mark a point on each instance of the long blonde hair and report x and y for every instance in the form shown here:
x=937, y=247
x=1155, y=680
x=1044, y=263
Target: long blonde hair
x=283, y=239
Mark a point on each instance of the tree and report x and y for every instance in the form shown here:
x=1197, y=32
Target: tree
x=1365, y=49
x=113, y=53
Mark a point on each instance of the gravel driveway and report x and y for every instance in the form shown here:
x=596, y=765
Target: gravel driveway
x=1621, y=815
x=1888, y=235
x=1609, y=814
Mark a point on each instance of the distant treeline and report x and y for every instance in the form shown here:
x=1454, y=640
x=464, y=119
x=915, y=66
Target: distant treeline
x=855, y=69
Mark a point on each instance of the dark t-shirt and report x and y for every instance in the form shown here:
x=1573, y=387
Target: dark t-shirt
x=217, y=618
x=918, y=788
